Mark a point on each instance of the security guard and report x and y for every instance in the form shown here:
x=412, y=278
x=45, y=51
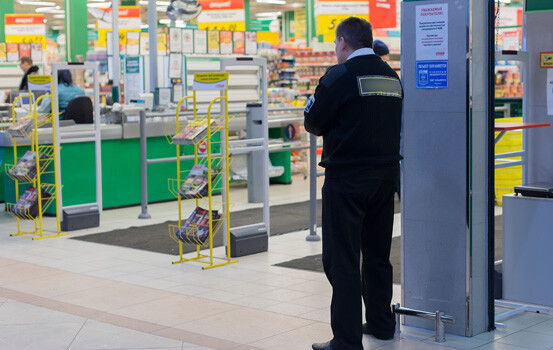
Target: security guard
x=357, y=109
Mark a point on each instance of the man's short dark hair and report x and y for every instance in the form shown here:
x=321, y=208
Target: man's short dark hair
x=26, y=59
x=357, y=32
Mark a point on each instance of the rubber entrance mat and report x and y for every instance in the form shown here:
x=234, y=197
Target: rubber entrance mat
x=284, y=219
x=315, y=262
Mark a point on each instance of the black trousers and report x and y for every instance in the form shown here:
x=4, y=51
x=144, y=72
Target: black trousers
x=358, y=215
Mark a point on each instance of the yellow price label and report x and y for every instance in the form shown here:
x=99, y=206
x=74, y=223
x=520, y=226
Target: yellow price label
x=234, y=26
x=326, y=25
x=210, y=77
x=39, y=79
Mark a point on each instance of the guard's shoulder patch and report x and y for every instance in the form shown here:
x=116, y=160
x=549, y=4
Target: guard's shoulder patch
x=309, y=104
x=332, y=74
x=379, y=85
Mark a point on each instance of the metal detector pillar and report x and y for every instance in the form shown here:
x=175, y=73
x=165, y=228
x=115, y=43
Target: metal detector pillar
x=254, y=130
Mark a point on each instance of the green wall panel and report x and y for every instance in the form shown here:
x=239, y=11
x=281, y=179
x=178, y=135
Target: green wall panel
x=6, y=7
x=539, y=5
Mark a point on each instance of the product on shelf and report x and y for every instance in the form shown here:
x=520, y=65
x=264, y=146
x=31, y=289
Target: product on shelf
x=192, y=133
x=25, y=169
x=27, y=205
x=195, y=184
x=23, y=126
x=195, y=229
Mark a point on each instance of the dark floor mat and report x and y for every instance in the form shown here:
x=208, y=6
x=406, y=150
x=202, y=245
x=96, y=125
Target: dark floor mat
x=315, y=262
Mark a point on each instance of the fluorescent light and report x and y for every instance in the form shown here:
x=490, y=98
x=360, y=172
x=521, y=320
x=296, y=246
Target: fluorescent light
x=161, y=8
x=165, y=21
x=99, y=5
x=46, y=9
x=298, y=5
x=161, y=3
x=276, y=2
x=268, y=14
x=37, y=3
x=59, y=16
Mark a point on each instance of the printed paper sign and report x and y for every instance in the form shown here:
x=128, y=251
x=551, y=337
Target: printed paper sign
x=40, y=82
x=213, y=42
x=432, y=32
x=25, y=28
x=546, y=59
x=549, y=92
x=432, y=75
x=3, y=52
x=511, y=40
x=239, y=42
x=251, y=43
x=175, y=65
x=133, y=43
x=210, y=81
x=226, y=42
x=175, y=40
x=200, y=41
x=187, y=41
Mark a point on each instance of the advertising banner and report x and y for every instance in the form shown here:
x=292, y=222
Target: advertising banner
x=329, y=14
x=25, y=28
x=129, y=20
x=222, y=15
x=383, y=13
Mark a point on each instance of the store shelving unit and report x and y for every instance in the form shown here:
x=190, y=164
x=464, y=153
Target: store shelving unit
x=46, y=170
x=218, y=181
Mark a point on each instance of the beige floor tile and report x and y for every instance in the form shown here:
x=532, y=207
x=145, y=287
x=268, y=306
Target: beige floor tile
x=198, y=339
x=23, y=271
x=112, y=296
x=244, y=325
x=174, y=310
x=299, y=338
x=56, y=284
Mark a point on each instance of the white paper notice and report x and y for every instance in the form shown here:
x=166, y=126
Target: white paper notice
x=432, y=36
x=549, y=92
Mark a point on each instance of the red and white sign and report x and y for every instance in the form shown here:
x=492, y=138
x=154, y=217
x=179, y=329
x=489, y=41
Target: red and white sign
x=129, y=18
x=25, y=25
x=511, y=39
x=202, y=146
x=215, y=13
x=383, y=13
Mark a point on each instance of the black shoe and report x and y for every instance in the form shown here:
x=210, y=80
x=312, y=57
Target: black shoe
x=366, y=330
x=322, y=346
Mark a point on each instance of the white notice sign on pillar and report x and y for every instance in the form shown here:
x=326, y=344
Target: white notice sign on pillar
x=432, y=35
x=549, y=92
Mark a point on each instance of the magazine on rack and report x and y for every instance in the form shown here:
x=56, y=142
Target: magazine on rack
x=196, y=183
x=25, y=169
x=27, y=205
x=195, y=229
x=23, y=127
x=193, y=133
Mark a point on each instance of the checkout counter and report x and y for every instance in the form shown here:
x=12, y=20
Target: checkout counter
x=121, y=158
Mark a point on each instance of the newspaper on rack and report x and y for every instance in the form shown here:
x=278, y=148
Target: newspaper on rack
x=192, y=133
x=24, y=126
x=195, y=184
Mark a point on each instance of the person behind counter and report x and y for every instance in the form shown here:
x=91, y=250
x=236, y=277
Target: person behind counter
x=66, y=92
x=26, y=65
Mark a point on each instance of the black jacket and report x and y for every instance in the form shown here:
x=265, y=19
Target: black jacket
x=357, y=108
x=24, y=84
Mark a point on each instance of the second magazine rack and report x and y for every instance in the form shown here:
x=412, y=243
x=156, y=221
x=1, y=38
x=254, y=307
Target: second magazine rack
x=209, y=176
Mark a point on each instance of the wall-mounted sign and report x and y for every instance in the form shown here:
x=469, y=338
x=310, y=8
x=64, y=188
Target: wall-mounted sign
x=222, y=15
x=129, y=20
x=383, y=13
x=432, y=75
x=25, y=29
x=432, y=32
x=546, y=59
x=210, y=81
x=329, y=14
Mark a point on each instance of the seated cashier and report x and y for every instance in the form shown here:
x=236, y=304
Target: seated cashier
x=66, y=92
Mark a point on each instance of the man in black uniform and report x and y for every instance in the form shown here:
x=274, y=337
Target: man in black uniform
x=357, y=109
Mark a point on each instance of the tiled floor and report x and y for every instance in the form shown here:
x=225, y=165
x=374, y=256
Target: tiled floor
x=61, y=293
